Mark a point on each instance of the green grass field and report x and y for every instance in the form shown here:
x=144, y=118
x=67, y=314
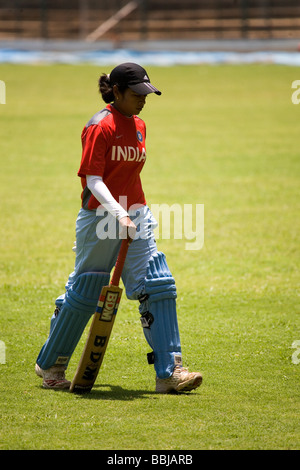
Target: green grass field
x=223, y=136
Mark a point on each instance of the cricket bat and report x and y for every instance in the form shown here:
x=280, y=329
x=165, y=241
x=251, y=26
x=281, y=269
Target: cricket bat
x=100, y=329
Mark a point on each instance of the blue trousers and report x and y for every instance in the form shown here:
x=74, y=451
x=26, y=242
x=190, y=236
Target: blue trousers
x=97, y=247
x=100, y=254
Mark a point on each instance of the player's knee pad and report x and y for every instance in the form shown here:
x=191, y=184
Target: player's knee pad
x=159, y=316
x=71, y=315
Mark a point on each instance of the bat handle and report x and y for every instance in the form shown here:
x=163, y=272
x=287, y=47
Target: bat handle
x=120, y=263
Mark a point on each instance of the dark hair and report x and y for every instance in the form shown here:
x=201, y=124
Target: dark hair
x=106, y=90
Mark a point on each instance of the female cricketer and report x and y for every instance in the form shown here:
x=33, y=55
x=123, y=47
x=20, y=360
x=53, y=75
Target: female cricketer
x=114, y=207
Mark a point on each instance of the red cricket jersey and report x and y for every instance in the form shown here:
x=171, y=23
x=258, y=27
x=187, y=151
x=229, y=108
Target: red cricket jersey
x=113, y=147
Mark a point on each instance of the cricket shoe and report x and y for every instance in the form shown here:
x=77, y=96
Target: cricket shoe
x=53, y=378
x=180, y=381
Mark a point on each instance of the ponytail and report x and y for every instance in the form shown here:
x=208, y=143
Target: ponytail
x=105, y=88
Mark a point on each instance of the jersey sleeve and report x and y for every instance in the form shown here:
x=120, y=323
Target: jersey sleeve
x=94, y=149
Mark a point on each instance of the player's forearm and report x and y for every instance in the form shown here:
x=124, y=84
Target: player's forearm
x=101, y=192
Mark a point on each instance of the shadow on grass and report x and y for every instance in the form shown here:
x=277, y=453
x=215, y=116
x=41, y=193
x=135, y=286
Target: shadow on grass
x=115, y=392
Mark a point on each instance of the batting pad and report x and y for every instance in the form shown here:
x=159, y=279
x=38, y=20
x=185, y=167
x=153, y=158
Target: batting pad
x=159, y=316
x=67, y=326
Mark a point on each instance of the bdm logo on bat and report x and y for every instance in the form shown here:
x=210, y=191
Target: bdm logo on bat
x=109, y=306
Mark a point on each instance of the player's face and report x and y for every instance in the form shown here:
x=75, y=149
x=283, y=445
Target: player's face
x=129, y=102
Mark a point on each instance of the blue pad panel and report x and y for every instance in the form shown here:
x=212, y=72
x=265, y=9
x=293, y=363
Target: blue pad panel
x=162, y=333
x=69, y=321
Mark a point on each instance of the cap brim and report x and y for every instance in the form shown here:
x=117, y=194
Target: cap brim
x=144, y=88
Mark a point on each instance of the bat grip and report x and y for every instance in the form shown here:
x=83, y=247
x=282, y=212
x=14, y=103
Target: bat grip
x=120, y=263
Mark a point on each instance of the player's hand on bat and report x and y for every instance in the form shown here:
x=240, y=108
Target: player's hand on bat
x=127, y=229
